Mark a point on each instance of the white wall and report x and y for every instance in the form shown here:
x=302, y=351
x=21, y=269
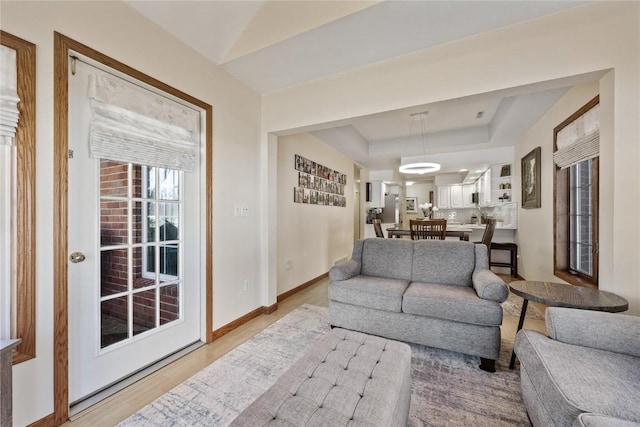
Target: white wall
x=310, y=237
x=118, y=31
x=597, y=36
x=535, y=226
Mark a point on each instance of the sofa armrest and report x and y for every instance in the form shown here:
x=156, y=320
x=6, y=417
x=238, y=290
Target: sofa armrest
x=619, y=333
x=345, y=270
x=489, y=286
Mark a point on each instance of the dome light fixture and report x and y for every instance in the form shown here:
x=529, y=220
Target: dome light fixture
x=419, y=165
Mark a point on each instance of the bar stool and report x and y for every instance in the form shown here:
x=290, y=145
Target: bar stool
x=513, y=250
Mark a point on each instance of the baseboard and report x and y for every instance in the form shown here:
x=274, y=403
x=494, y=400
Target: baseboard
x=263, y=310
x=297, y=289
x=48, y=421
x=270, y=309
x=236, y=323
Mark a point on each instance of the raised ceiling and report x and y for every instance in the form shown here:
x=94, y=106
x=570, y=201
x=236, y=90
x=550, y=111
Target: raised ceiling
x=272, y=45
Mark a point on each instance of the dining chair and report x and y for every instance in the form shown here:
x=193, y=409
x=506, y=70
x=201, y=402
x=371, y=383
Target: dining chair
x=429, y=229
x=377, y=226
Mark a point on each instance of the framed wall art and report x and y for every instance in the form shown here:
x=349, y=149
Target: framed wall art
x=531, y=179
x=412, y=204
x=318, y=184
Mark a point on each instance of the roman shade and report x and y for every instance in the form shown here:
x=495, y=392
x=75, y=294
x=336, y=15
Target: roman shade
x=133, y=124
x=9, y=113
x=579, y=140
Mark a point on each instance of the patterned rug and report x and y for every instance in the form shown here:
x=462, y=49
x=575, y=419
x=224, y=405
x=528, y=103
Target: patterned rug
x=448, y=389
x=513, y=306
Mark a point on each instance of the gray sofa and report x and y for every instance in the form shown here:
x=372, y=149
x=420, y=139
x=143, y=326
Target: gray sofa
x=586, y=372
x=431, y=292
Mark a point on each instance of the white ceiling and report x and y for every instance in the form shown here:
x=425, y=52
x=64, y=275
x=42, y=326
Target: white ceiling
x=271, y=45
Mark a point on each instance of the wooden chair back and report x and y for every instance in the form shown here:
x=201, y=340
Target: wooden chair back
x=377, y=226
x=488, y=233
x=429, y=229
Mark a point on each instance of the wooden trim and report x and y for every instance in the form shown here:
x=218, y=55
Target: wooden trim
x=48, y=421
x=272, y=308
x=236, y=323
x=297, y=289
x=60, y=199
x=25, y=245
x=218, y=333
x=208, y=295
x=62, y=47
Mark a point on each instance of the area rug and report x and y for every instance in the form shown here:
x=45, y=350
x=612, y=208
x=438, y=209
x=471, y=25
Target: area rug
x=448, y=389
x=513, y=307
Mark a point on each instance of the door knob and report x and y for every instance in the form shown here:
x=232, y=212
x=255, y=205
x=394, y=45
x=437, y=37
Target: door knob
x=77, y=257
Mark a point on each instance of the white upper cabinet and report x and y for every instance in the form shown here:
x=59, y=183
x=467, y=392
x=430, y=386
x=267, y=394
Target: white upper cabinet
x=455, y=196
x=444, y=197
x=456, y=200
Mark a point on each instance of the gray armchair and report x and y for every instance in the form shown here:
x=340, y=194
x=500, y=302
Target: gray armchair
x=586, y=372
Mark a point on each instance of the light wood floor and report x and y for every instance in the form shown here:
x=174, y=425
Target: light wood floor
x=121, y=405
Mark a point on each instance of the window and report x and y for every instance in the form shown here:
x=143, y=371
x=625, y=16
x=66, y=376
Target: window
x=17, y=218
x=576, y=200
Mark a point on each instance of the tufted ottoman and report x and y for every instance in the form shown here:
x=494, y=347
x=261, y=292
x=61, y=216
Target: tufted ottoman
x=345, y=379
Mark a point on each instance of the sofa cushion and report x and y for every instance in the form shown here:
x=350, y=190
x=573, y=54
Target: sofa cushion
x=597, y=420
x=390, y=258
x=574, y=379
x=443, y=261
x=451, y=302
x=367, y=291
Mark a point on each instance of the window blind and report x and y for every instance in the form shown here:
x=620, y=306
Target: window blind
x=9, y=113
x=579, y=140
x=132, y=124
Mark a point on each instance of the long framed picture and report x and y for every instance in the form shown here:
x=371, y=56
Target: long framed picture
x=412, y=204
x=531, y=179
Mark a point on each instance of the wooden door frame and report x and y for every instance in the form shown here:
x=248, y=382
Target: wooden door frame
x=62, y=47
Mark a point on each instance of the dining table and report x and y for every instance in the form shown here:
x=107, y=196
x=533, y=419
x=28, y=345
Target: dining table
x=452, y=231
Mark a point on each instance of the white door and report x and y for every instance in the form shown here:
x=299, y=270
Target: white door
x=135, y=277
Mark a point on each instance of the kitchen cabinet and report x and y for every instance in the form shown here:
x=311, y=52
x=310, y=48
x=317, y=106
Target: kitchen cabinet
x=455, y=196
x=484, y=188
x=467, y=192
x=444, y=197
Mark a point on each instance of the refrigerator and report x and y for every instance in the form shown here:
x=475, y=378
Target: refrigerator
x=391, y=211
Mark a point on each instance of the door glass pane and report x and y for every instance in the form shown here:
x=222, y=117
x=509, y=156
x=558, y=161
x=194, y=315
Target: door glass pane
x=168, y=221
x=138, y=189
x=149, y=175
x=168, y=184
x=114, y=178
x=149, y=221
x=144, y=311
x=169, y=304
x=140, y=277
x=138, y=235
x=114, y=326
x=168, y=262
x=114, y=218
x=113, y=271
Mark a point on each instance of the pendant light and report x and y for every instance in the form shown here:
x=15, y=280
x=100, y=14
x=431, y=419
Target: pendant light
x=418, y=165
